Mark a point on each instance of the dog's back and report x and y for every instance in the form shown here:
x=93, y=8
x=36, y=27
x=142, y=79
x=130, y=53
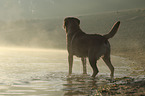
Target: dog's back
x=81, y=43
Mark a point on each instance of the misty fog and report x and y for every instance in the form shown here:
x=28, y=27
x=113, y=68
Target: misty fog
x=38, y=23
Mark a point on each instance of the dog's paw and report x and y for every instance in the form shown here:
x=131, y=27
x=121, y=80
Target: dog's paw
x=69, y=76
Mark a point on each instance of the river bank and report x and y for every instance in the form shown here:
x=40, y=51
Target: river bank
x=127, y=86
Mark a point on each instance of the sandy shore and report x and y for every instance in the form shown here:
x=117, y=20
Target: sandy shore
x=129, y=86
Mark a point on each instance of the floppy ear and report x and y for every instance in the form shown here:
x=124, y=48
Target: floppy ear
x=66, y=21
x=65, y=24
x=78, y=21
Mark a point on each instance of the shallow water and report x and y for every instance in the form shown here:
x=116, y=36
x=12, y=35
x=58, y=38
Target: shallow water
x=39, y=72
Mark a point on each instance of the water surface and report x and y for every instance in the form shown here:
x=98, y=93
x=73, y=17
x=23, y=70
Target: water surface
x=43, y=72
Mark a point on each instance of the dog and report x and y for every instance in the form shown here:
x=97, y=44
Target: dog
x=85, y=45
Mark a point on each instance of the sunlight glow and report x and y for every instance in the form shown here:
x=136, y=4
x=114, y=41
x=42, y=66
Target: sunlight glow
x=30, y=49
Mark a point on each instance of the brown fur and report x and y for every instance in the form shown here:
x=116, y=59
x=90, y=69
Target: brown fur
x=85, y=45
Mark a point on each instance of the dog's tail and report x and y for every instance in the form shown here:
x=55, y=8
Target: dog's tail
x=113, y=30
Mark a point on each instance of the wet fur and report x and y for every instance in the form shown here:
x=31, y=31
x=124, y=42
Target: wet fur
x=85, y=45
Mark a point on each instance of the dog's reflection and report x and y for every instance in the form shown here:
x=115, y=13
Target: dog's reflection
x=79, y=85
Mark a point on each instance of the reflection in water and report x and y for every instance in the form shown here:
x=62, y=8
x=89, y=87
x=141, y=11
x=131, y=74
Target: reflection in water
x=82, y=85
x=79, y=85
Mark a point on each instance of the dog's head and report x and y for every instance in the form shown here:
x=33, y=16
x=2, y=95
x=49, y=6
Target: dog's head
x=71, y=22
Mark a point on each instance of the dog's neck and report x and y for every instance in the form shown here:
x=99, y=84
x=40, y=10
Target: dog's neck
x=73, y=29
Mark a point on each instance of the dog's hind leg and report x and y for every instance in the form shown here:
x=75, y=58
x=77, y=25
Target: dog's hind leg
x=92, y=60
x=94, y=67
x=84, y=65
x=70, y=60
x=107, y=60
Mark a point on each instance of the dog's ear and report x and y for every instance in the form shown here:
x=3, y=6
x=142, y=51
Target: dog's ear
x=78, y=21
x=65, y=23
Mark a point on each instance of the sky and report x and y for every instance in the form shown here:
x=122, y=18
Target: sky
x=44, y=9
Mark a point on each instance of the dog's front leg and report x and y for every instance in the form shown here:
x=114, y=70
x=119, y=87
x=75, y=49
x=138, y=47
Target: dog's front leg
x=70, y=61
x=84, y=65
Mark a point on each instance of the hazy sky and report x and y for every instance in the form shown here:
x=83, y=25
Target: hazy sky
x=42, y=9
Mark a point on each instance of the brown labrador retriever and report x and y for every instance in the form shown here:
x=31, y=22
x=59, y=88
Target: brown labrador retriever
x=85, y=45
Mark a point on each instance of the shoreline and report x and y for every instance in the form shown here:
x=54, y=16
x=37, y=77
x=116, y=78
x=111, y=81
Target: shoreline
x=128, y=87
x=131, y=86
